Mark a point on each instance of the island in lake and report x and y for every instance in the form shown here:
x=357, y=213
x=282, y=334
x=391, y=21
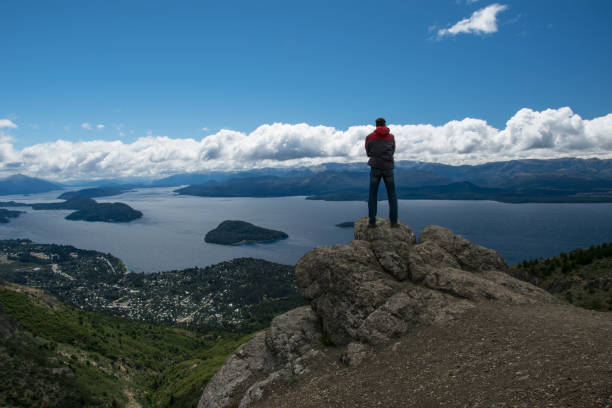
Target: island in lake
x=88, y=209
x=94, y=192
x=241, y=232
x=6, y=214
x=347, y=224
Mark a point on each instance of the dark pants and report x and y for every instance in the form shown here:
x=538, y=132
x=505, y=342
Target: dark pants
x=387, y=176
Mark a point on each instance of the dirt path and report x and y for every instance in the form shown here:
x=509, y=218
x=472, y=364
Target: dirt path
x=520, y=356
x=132, y=403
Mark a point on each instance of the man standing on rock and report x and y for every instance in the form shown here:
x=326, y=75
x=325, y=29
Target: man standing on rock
x=380, y=146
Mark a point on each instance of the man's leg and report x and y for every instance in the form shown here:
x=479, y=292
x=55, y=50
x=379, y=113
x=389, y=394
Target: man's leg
x=390, y=185
x=375, y=175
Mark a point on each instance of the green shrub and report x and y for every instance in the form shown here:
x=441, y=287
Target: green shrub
x=147, y=351
x=326, y=340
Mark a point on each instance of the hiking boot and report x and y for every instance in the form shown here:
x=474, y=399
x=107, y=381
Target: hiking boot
x=371, y=225
x=396, y=225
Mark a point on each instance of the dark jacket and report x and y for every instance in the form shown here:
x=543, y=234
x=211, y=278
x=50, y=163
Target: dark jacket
x=380, y=146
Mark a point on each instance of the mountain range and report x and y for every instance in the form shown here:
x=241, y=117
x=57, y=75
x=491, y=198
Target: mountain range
x=559, y=180
x=554, y=180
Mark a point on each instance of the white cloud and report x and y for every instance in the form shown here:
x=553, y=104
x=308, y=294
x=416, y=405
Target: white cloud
x=483, y=21
x=86, y=126
x=7, y=123
x=99, y=126
x=528, y=134
x=7, y=153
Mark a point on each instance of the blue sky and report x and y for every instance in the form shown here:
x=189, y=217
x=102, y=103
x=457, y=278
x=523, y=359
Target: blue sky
x=79, y=71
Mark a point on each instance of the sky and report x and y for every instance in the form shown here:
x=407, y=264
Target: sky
x=104, y=89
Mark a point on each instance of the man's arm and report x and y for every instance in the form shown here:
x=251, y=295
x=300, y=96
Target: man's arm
x=368, y=153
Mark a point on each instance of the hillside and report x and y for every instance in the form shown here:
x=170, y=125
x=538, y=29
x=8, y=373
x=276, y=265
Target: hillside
x=240, y=295
x=582, y=277
x=398, y=323
x=54, y=355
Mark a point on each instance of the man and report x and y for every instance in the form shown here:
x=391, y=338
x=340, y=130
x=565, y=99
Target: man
x=380, y=146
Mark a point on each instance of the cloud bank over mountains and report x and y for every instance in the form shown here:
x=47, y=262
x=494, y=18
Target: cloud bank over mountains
x=528, y=134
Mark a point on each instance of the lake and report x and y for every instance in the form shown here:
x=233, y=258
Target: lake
x=171, y=233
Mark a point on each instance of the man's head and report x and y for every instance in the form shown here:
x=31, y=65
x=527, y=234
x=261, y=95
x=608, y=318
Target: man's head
x=381, y=122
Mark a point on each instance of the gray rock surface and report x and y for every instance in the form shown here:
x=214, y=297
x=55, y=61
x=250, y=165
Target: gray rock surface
x=67, y=371
x=235, y=377
x=283, y=349
x=390, y=245
x=471, y=257
x=291, y=336
x=354, y=354
x=380, y=286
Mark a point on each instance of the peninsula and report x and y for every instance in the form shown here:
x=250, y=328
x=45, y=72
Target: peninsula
x=241, y=232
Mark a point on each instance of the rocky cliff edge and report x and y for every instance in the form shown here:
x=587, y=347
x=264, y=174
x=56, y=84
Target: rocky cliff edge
x=362, y=295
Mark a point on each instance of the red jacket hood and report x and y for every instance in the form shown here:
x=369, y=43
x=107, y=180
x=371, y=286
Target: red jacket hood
x=382, y=130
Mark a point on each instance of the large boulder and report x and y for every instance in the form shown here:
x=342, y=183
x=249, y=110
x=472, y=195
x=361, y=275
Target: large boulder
x=283, y=349
x=345, y=284
x=384, y=284
x=359, y=300
x=238, y=373
x=471, y=257
x=391, y=246
x=380, y=286
x=291, y=336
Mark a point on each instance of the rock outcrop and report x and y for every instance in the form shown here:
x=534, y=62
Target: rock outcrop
x=279, y=351
x=381, y=285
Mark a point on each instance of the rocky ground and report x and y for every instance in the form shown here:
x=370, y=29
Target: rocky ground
x=518, y=356
x=393, y=322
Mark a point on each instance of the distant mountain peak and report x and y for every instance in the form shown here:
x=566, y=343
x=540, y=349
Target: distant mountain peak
x=20, y=177
x=22, y=184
